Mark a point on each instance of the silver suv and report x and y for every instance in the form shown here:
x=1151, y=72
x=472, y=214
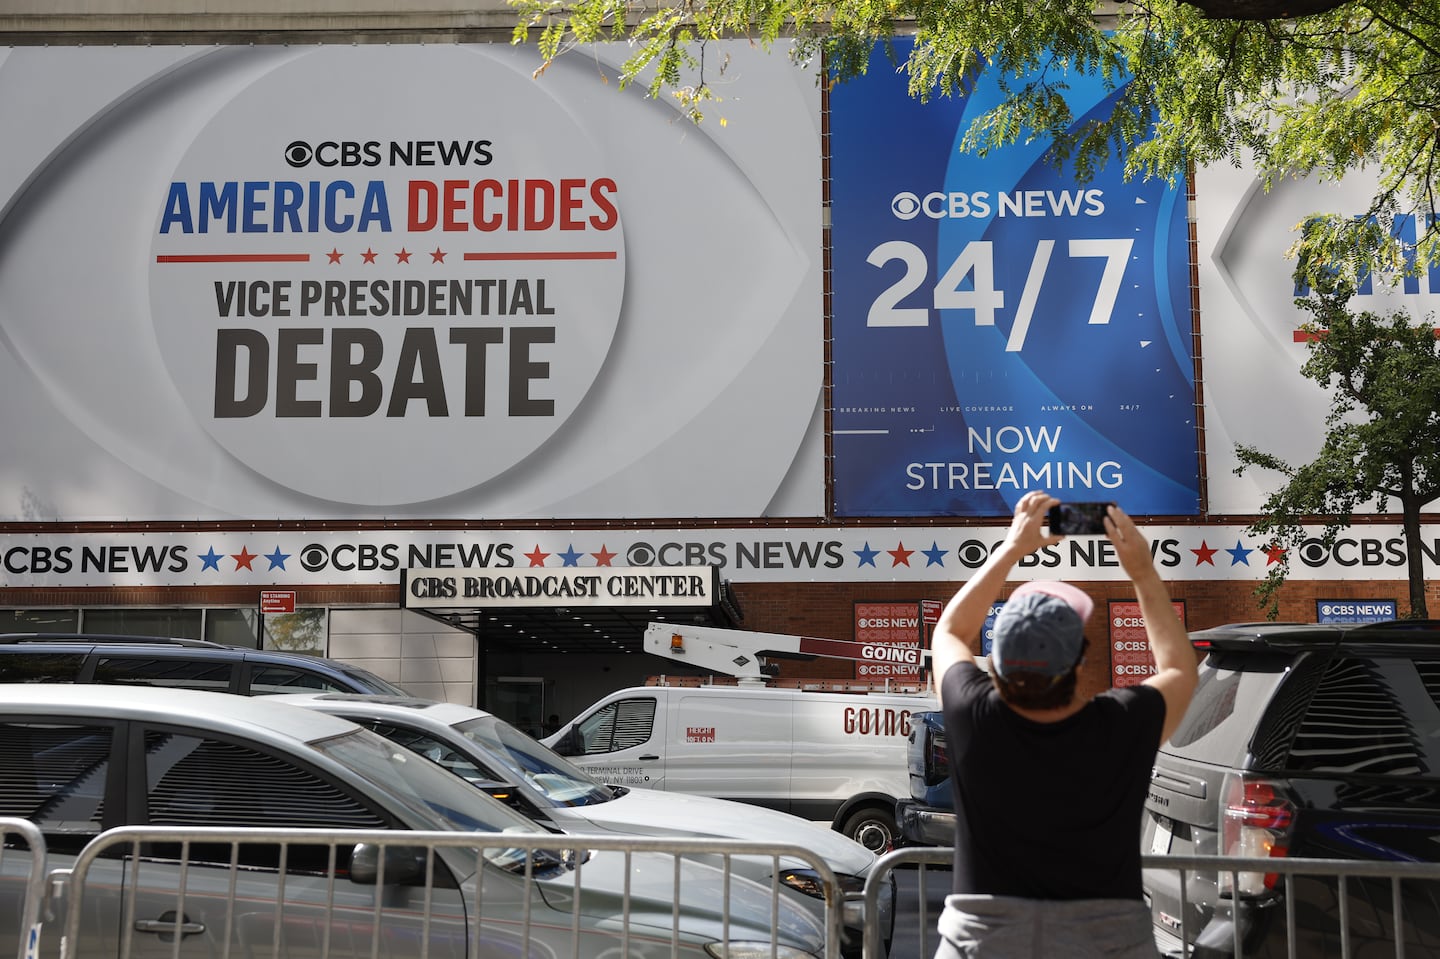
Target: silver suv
x=80, y=760
x=547, y=787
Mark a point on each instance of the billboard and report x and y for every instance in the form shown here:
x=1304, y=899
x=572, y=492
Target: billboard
x=405, y=282
x=1253, y=350
x=998, y=326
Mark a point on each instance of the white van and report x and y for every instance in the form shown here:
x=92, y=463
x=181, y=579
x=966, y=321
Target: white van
x=835, y=757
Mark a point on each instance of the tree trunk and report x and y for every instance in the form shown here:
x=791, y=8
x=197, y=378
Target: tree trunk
x=1414, y=561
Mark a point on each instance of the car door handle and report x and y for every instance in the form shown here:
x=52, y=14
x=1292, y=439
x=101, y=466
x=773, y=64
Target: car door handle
x=165, y=925
x=647, y=758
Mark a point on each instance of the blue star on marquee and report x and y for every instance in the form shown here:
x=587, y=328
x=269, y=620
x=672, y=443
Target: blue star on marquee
x=570, y=557
x=211, y=560
x=867, y=555
x=277, y=559
x=1239, y=554
x=934, y=556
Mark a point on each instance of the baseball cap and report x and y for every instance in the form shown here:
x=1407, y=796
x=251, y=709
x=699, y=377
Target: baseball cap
x=1040, y=629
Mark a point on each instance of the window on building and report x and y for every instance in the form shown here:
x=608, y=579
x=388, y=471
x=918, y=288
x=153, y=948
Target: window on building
x=39, y=620
x=129, y=621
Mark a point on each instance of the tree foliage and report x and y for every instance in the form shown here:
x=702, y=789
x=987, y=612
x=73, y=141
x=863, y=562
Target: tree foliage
x=1353, y=85
x=302, y=631
x=1383, y=436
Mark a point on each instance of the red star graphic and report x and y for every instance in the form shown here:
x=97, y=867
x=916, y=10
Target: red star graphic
x=368, y=256
x=1274, y=554
x=438, y=256
x=603, y=557
x=403, y=256
x=1204, y=554
x=536, y=557
x=334, y=255
x=244, y=558
x=900, y=556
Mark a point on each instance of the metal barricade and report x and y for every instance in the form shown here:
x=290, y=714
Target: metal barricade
x=296, y=910
x=921, y=856
x=34, y=883
x=1344, y=873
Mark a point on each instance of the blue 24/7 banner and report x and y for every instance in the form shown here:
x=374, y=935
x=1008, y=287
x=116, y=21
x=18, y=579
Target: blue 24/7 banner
x=999, y=326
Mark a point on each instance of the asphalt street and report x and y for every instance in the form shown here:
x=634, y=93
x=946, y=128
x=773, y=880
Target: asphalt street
x=916, y=914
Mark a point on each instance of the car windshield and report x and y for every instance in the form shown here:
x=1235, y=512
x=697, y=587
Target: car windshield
x=435, y=799
x=372, y=682
x=545, y=771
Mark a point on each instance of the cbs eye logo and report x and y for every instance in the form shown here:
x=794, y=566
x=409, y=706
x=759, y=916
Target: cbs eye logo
x=299, y=154
x=335, y=153
x=905, y=206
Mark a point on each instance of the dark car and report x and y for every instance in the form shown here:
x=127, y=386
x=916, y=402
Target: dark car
x=1308, y=741
x=182, y=663
x=927, y=818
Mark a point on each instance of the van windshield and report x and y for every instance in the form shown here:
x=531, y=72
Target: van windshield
x=544, y=770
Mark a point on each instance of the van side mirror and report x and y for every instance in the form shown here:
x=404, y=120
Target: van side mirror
x=404, y=865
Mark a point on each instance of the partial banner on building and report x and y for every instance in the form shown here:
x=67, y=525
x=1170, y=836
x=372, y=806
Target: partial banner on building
x=1250, y=330
x=998, y=325
x=1131, y=662
x=578, y=559
x=405, y=282
x=890, y=624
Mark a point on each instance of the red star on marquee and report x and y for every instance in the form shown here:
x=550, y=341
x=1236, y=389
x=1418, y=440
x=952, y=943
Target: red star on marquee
x=438, y=256
x=536, y=557
x=1274, y=554
x=244, y=558
x=403, y=256
x=603, y=557
x=334, y=255
x=368, y=256
x=900, y=556
x=1205, y=554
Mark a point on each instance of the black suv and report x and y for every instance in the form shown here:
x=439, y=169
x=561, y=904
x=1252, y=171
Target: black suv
x=183, y=663
x=1308, y=741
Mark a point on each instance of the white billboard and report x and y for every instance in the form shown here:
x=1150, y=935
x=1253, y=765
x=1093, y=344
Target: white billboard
x=408, y=282
x=1251, y=348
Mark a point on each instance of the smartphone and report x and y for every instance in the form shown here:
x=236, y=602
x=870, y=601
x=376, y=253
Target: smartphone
x=1078, y=519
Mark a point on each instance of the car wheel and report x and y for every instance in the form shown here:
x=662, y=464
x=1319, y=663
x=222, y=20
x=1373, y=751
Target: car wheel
x=872, y=828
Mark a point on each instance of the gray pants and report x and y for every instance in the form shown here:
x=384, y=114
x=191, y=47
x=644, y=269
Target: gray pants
x=1000, y=927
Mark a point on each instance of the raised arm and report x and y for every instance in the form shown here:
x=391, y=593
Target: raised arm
x=1176, y=672
x=957, y=633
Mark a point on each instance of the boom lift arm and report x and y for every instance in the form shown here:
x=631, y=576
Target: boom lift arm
x=742, y=653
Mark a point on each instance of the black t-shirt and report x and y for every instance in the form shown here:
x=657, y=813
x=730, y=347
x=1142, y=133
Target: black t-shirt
x=1049, y=810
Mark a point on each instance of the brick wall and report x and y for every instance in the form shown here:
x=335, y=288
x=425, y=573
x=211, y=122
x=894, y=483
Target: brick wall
x=827, y=610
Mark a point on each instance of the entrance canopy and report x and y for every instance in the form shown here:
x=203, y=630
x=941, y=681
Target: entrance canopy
x=569, y=609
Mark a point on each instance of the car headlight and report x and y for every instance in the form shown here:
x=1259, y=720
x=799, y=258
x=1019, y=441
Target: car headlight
x=754, y=950
x=808, y=881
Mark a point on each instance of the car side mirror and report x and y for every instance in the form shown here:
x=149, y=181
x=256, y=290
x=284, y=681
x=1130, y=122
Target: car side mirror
x=568, y=744
x=404, y=865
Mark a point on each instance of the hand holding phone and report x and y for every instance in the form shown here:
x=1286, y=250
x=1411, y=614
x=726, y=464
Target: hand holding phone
x=1078, y=519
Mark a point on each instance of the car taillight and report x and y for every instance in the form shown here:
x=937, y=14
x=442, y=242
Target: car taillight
x=1256, y=818
x=937, y=763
